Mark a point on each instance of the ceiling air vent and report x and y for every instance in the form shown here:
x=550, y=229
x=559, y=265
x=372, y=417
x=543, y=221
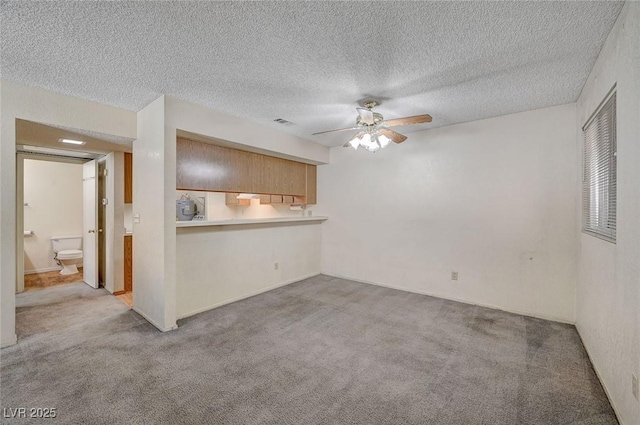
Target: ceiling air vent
x=283, y=122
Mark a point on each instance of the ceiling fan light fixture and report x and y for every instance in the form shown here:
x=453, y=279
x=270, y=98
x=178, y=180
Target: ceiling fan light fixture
x=371, y=142
x=383, y=141
x=374, y=132
x=355, y=142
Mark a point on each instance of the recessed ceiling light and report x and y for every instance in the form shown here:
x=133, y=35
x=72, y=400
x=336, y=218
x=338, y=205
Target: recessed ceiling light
x=72, y=142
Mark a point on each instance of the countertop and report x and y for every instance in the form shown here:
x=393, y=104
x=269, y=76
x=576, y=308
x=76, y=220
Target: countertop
x=241, y=221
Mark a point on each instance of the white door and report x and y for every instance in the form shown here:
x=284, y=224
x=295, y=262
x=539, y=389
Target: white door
x=90, y=223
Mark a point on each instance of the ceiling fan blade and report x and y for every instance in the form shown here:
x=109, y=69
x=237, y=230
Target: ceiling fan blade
x=359, y=135
x=418, y=119
x=396, y=137
x=331, y=131
x=365, y=115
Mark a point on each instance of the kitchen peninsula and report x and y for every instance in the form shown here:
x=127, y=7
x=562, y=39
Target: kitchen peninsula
x=243, y=246
x=238, y=222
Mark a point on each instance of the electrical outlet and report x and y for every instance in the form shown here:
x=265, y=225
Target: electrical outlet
x=634, y=386
x=454, y=275
x=275, y=266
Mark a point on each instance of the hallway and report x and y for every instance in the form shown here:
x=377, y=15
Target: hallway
x=68, y=314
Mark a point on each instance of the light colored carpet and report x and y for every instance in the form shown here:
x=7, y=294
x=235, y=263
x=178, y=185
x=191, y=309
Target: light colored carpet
x=321, y=351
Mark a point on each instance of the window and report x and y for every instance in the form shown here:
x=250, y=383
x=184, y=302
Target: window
x=599, y=173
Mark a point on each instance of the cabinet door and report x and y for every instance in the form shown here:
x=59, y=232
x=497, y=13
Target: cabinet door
x=200, y=166
x=260, y=176
x=276, y=181
x=265, y=199
x=241, y=170
x=128, y=178
x=311, y=184
x=128, y=263
x=288, y=177
x=296, y=178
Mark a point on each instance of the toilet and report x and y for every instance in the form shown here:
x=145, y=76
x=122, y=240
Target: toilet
x=68, y=252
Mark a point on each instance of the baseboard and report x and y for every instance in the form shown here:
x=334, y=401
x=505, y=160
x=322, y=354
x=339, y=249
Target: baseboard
x=604, y=386
x=11, y=342
x=153, y=322
x=252, y=294
x=43, y=270
x=431, y=294
x=118, y=292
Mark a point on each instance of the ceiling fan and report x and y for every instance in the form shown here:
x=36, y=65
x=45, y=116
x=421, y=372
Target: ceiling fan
x=374, y=131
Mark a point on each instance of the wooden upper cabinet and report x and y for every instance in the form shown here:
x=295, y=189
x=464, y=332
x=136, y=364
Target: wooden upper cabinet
x=311, y=184
x=128, y=178
x=207, y=167
x=241, y=170
x=265, y=175
x=200, y=166
x=296, y=178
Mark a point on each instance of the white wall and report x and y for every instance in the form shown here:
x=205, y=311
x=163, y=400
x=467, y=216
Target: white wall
x=220, y=264
x=128, y=217
x=154, y=203
x=608, y=299
x=32, y=104
x=207, y=122
x=493, y=200
x=53, y=192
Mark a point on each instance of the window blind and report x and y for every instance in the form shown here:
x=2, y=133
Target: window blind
x=599, y=179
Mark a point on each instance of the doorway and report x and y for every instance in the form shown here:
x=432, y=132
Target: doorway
x=62, y=202
x=61, y=144
x=52, y=213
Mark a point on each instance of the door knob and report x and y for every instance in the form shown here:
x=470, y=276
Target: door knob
x=92, y=230
x=100, y=230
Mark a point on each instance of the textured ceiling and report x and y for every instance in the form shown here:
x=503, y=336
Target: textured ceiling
x=310, y=62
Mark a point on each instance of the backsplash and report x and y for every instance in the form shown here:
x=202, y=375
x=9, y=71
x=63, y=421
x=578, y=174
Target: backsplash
x=217, y=209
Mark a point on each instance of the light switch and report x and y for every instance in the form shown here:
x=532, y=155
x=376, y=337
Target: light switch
x=136, y=218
